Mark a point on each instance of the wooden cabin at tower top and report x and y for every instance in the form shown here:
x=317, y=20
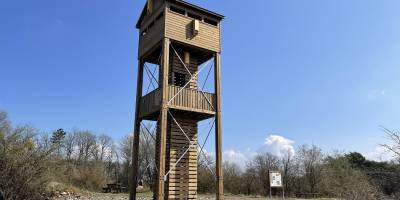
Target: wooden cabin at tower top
x=187, y=25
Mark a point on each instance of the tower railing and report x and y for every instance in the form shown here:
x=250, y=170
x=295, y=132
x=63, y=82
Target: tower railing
x=191, y=99
x=182, y=99
x=150, y=103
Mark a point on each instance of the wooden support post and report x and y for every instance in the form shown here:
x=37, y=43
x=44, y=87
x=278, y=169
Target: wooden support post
x=218, y=128
x=135, y=147
x=159, y=193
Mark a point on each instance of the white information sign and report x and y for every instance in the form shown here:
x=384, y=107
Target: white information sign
x=275, y=179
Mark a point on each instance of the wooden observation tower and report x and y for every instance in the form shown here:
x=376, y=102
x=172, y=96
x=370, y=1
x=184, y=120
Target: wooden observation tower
x=180, y=39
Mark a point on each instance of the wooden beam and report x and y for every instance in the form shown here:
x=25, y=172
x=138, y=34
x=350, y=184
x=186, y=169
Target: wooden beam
x=149, y=7
x=218, y=128
x=135, y=147
x=159, y=193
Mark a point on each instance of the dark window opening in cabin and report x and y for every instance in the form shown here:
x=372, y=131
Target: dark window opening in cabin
x=177, y=10
x=159, y=16
x=194, y=16
x=179, y=79
x=209, y=21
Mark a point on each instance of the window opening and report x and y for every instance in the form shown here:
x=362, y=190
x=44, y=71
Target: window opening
x=177, y=10
x=194, y=16
x=209, y=21
x=179, y=79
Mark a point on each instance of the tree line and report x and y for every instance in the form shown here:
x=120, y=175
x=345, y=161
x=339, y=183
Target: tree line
x=31, y=162
x=311, y=173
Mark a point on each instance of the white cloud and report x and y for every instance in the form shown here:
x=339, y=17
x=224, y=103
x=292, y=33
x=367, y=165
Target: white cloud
x=236, y=157
x=379, y=154
x=278, y=145
x=275, y=144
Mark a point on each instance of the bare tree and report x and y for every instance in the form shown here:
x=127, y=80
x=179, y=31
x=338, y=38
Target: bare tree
x=126, y=157
x=5, y=130
x=311, y=160
x=205, y=173
x=250, y=180
x=69, y=144
x=394, y=138
x=85, y=142
x=112, y=162
x=262, y=163
x=43, y=142
x=126, y=149
x=22, y=163
x=5, y=124
x=105, y=143
x=147, y=156
x=288, y=168
x=232, y=178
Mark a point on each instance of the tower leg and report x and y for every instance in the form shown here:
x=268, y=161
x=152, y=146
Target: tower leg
x=135, y=147
x=218, y=128
x=162, y=122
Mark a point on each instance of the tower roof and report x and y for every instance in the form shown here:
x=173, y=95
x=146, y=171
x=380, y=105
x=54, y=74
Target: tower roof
x=183, y=3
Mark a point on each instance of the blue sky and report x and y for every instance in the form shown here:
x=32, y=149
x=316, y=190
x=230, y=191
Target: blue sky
x=321, y=72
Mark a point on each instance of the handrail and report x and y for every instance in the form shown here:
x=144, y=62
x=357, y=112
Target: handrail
x=187, y=99
x=191, y=98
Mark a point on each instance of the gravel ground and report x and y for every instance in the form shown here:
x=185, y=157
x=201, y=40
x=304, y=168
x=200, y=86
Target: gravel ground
x=105, y=196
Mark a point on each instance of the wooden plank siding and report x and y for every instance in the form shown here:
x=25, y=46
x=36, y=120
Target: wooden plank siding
x=188, y=100
x=182, y=180
x=154, y=34
x=176, y=66
x=179, y=27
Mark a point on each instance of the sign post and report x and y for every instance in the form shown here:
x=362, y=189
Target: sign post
x=275, y=181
